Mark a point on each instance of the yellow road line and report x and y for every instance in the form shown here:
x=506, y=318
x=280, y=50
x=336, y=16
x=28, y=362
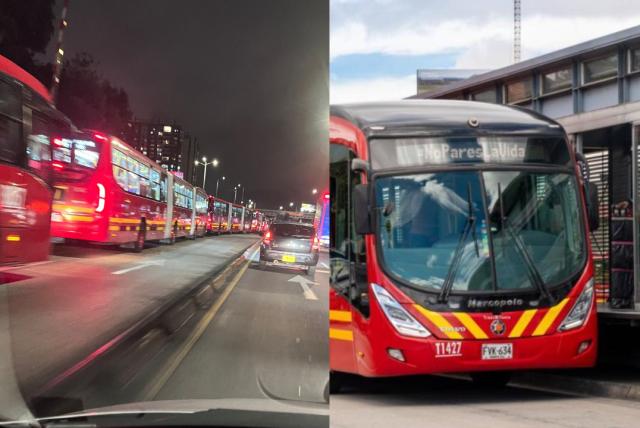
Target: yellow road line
x=180, y=355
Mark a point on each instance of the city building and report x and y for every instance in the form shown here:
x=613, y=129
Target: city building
x=166, y=143
x=593, y=90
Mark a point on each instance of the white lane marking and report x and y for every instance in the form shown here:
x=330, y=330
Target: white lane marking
x=324, y=264
x=159, y=262
x=25, y=266
x=304, y=283
x=322, y=271
x=254, y=257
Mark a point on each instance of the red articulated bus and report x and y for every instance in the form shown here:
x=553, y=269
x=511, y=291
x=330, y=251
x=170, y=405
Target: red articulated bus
x=459, y=242
x=182, y=210
x=107, y=192
x=235, y=218
x=28, y=124
x=247, y=217
x=218, y=216
x=200, y=213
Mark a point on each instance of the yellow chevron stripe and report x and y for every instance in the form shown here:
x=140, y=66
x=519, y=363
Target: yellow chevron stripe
x=471, y=325
x=81, y=218
x=339, y=334
x=523, y=322
x=341, y=316
x=71, y=208
x=549, y=318
x=124, y=220
x=440, y=322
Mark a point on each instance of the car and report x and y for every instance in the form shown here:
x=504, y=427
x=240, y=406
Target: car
x=292, y=245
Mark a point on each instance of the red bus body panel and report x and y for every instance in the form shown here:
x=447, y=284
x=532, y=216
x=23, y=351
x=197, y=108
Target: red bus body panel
x=25, y=213
x=360, y=345
x=75, y=215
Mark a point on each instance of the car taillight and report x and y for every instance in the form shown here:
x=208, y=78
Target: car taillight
x=267, y=237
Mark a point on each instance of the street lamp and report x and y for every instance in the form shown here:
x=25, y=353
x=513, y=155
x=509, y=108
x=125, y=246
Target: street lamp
x=314, y=191
x=218, y=182
x=281, y=207
x=214, y=162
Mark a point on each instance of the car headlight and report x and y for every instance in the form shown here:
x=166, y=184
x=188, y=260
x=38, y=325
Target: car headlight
x=580, y=311
x=401, y=320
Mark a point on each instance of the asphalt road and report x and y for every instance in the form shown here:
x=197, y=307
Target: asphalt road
x=61, y=311
x=268, y=339
x=429, y=401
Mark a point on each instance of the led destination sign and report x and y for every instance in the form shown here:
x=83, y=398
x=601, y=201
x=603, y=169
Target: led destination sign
x=404, y=152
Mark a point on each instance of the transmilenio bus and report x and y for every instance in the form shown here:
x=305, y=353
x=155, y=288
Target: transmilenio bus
x=459, y=242
x=107, y=192
x=28, y=124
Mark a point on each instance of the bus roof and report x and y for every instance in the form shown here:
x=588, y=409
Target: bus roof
x=13, y=70
x=410, y=117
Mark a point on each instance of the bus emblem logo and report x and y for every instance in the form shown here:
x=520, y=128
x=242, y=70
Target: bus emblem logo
x=498, y=327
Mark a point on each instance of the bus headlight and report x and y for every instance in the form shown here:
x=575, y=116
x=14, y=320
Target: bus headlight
x=580, y=311
x=401, y=320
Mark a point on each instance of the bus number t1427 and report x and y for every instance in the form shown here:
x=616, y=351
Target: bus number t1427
x=448, y=349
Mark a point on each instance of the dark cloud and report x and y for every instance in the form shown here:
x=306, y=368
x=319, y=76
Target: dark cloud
x=248, y=78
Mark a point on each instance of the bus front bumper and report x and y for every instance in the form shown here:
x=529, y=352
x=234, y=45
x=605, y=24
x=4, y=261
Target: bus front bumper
x=572, y=349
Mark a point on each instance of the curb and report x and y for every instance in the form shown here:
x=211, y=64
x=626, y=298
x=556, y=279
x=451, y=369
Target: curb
x=577, y=385
x=172, y=313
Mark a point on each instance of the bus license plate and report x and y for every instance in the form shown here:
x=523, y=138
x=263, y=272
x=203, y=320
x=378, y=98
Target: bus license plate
x=497, y=351
x=289, y=258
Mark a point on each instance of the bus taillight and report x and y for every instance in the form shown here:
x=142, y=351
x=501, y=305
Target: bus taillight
x=101, y=198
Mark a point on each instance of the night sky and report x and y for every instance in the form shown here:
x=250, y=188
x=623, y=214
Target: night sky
x=249, y=79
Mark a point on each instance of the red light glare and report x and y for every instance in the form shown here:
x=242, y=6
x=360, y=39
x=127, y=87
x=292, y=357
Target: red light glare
x=326, y=196
x=100, y=137
x=57, y=165
x=57, y=141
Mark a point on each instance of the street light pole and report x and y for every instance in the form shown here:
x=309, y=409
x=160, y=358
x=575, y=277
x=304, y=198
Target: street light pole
x=204, y=179
x=218, y=182
x=235, y=191
x=243, y=193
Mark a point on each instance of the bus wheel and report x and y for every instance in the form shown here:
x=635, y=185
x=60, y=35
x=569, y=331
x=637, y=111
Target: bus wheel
x=336, y=381
x=138, y=246
x=491, y=380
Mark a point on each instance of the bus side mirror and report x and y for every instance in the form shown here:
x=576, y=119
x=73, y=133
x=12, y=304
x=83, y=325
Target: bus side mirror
x=591, y=196
x=361, y=209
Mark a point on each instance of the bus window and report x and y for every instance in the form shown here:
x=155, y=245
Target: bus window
x=10, y=150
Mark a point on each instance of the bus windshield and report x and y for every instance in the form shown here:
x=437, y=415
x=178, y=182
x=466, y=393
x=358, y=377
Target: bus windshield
x=525, y=221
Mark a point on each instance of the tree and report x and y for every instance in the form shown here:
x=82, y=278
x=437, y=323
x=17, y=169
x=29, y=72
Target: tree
x=90, y=100
x=26, y=26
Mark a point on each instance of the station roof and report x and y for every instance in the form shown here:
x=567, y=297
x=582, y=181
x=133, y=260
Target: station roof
x=630, y=35
x=450, y=115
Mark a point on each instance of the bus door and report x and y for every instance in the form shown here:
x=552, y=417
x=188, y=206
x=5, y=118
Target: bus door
x=348, y=302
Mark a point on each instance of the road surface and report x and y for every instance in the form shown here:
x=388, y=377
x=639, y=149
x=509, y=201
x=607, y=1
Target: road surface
x=61, y=311
x=427, y=401
x=268, y=339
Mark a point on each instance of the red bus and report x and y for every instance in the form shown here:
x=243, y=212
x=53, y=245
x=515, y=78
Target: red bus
x=235, y=218
x=256, y=222
x=459, y=242
x=218, y=215
x=247, y=219
x=182, y=209
x=200, y=213
x=107, y=192
x=28, y=124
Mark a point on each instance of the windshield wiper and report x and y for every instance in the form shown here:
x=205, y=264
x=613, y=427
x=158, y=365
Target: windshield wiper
x=532, y=270
x=469, y=226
